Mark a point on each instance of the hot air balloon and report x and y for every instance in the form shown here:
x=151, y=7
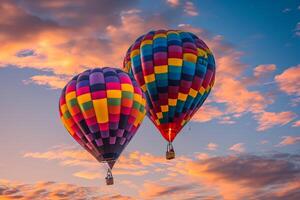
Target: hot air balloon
x=176, y=70
x=102, y=109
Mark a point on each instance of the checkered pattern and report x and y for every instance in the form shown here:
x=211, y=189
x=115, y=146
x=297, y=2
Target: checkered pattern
x=102, y=109
x=176, y=70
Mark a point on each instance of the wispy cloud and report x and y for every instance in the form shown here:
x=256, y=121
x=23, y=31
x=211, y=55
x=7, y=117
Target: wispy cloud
x=190, y=9
x=212, y=146
x=239, y=148
x=289, y=80
x=173, y=3
x=289, y=140
x=239, y=176
x=296, y=124
x=267, y=120
x=54, y=190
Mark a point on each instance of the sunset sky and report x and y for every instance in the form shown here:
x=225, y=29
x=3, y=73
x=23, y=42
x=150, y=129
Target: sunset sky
x=244, y=143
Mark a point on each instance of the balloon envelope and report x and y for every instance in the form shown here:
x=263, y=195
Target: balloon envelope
x=176, y=70
x=102, y=110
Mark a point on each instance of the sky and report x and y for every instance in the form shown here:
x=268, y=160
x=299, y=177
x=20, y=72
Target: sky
x=243, y=143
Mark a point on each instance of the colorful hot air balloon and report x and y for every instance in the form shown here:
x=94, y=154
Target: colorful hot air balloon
x=176, y=70
x=102, y=110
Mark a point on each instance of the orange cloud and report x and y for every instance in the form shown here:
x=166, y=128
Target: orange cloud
x=267, y=120
x=54, y=82
x=173, y=3
x=246, y=176
x=207, y=113
x=240, y=176
x=289, y=140
x=55, y=191
x=289, y=80
x=134, y=163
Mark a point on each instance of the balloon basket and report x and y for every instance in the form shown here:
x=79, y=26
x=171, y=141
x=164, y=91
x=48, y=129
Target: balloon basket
x=170, y=154
x=109, y=178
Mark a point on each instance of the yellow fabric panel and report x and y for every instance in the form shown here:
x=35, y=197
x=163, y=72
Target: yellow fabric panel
x=182, y=96
x=159, y=115
x=138, y=98
x=193, y=92
x=201, y=90
x=144, y=88
x=145, y=42
x=70, y=95
x=134, y=53
x=164, y=108
x=161, y=69
x=208, y=88
x=201, y=53
x=172, y=102
x=84, y=98
x=114, y=94
x=175, y=62
x=172, y=32
x=149, y=78
x=190, y=57
x=157, y=122
x=127, y=87
x=162, y=35
x=100, y=106
x=64, y=108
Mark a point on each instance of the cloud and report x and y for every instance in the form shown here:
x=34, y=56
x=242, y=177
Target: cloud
x=154, y=190
x=264, y=142
x=54, y=82
x=286, y=10
x=238, y=176
x=88, y=175
x=173, y=3
x=207, y=113
x=48, y=29
x=267, y=120
x=263, y=69
x=239, y=148
x=134, y=163
x=54, y=190
x=247, y=176
x=296, y=124
x=212, y=146
x=289, y=140
x=190, y=9
x=289, y=80
x=25, y=53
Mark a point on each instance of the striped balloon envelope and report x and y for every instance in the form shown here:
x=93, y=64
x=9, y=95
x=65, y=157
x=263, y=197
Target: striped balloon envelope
x=102, y=109
x=176, y=70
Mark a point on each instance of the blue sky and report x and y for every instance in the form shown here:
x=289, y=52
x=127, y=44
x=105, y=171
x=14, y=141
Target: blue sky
x=253, y=109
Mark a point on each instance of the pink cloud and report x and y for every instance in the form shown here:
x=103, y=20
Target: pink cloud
x=263, y=69
x=289, y=140
x=289, y=80
x=296, y=124
x=212, y=146
x=267, y=120
x=207, y=113
x=173, y=3
x=190, y=9
x=239, y=148
x=56, y=191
